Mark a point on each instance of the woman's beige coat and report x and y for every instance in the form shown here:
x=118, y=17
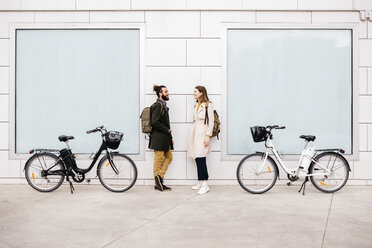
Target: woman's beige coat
x=198, y=131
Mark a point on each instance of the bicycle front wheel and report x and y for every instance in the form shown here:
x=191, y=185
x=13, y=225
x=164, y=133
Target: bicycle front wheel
x=119, y=174
x=331, y=172
x=256, y=175
x=43, y=171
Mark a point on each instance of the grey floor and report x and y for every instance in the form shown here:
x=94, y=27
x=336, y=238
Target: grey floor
x=225, y=217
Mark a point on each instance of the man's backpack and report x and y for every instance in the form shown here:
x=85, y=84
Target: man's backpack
x=217, y=123
x=146, y=118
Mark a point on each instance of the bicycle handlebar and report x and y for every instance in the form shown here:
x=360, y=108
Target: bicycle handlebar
x=95, y=130
x=269, y=134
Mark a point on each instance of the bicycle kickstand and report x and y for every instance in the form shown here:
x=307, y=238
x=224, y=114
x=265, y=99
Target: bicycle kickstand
x=71, y=186
x=303, y=186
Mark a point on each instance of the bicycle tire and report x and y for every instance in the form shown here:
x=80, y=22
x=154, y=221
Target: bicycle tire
x=104, y=165
x=41, y=158
x=273, y=170
x=323, y=188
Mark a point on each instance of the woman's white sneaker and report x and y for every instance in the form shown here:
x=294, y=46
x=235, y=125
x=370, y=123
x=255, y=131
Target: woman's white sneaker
x=198, y=186
x=203, y=189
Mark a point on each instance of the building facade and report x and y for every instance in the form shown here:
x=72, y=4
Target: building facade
x=184, y=43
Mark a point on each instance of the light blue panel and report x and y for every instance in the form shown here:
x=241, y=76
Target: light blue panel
x=69, y=81
x=301, y=79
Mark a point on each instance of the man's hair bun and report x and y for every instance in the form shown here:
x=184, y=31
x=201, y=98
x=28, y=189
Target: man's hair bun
x=157, y=89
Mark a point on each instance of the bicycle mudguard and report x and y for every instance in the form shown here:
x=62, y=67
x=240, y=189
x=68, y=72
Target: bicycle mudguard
x=331, y=150
x=272, y=160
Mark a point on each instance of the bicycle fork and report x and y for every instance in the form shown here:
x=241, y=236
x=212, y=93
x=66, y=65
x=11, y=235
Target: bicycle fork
x=111, y=161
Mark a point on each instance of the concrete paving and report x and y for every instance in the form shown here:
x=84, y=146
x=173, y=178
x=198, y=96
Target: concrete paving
x=225, y=217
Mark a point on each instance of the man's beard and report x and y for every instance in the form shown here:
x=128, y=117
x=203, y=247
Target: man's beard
x=165, y=98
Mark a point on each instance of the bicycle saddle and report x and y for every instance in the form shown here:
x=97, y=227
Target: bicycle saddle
x=308, y=137
x=64, y=138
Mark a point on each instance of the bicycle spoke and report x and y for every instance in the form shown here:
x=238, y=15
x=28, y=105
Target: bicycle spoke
x=36, y=168
x=338, y=167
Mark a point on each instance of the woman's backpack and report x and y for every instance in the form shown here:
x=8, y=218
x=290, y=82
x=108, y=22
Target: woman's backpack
x=217, y=123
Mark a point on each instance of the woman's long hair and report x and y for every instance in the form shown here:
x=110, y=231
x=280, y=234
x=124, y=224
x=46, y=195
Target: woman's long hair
x=204, y=96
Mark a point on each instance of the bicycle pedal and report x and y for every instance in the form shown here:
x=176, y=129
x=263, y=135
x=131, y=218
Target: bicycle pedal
x=88, y=180
x=289, y=184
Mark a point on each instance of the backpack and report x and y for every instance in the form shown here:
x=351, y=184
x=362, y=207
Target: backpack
x=217, y=123
x=146, y=118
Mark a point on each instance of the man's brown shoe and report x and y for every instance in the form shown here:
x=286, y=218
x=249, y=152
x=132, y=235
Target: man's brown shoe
x=164, y=186
x=157, y=188
x=158, y=184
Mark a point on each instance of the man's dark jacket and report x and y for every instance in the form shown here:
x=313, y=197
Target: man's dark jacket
x=160, y=137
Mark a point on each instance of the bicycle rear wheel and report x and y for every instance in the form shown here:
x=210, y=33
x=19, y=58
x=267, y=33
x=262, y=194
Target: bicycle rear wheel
x=335, y=170
x=256, y=177
x=36, y=175
x=119, y=175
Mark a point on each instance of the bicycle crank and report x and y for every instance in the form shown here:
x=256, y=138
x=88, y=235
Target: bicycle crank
x=78, y=178
x=292, y=178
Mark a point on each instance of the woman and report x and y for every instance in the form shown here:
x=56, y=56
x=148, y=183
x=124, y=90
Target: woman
x=200, y=135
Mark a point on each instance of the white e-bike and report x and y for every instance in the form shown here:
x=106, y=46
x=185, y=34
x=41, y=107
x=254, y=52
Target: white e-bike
x=257, y=173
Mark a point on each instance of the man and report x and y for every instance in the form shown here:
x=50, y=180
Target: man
x=161, y=137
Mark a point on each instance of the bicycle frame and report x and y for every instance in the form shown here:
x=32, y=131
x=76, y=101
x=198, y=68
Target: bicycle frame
x=295, y=171
x=102, y=148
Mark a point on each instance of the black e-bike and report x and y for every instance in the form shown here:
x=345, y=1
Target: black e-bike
x=46, y=169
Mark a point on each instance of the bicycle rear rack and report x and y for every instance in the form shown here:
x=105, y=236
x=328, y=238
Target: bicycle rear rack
x=331, y=150
x=43, y=150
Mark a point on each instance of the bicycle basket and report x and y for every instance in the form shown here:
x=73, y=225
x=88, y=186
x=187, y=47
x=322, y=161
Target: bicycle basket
x=113, y=139
x=259, y=133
